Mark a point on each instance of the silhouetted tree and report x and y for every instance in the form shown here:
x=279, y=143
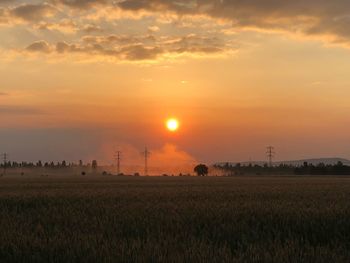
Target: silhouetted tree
x=201, y=170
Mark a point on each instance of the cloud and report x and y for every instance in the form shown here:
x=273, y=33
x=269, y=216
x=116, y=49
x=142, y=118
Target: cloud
x=132, y=48
x=3, y=16
x=195, y=44
x=62, y=47
x=39, y=46
x=140, y=52
x=153, y=29
x=26, y=13
x=128, y=52
x=31, y=12
x=208, y=25
x=64, y=25
x=92, y=29
x=119, y=39
x=81, y=4
x=323, y=18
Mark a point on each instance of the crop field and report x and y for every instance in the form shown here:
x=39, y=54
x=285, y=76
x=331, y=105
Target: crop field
x=175, y=219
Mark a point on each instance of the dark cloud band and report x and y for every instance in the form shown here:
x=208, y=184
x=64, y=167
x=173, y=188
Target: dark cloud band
x=313, y=17
x=134, y=48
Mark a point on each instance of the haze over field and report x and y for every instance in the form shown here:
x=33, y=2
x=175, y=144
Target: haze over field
x=82, y=78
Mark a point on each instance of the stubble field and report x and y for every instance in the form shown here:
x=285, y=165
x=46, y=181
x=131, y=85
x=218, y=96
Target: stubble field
x=175, y=219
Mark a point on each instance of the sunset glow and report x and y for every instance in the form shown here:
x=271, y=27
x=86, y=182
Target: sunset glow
x=241, y=74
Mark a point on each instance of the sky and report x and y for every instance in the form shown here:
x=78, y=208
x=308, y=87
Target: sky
x=80, y=79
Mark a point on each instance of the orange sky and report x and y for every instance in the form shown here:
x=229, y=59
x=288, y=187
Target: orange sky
x=81, y=78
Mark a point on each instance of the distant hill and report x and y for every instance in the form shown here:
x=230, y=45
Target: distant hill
x=314, y=161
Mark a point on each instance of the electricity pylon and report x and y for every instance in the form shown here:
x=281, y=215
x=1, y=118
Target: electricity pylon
x=146, y=155
x=117, y=157
x=270, y=152
x=5, y=162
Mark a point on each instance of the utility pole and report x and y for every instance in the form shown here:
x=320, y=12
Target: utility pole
x=146, y=154
x=117, y=157
x=270, y=152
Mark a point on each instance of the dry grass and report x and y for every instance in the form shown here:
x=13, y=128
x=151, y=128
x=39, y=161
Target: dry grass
x=270, y=219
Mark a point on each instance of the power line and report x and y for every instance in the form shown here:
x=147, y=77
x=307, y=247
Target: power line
x=146, y=155
x=117, y=156
x=270, y=152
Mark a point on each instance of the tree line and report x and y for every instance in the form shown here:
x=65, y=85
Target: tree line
x=284, y=169
x=56, y=165
x=202, y=170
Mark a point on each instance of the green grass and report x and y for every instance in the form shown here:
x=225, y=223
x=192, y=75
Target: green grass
x=169, y=219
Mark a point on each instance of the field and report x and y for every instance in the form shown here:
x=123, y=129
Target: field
x=175, y=219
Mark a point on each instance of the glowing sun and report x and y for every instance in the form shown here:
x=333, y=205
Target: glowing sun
x=172, y=124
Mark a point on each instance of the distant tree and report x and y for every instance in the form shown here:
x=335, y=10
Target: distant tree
x=227, y=166
x=80, y=163
x=201, y=170
x=94, y=164
x=39, y=164
x=64, y=164
x=339, y=169
x=340, y=164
